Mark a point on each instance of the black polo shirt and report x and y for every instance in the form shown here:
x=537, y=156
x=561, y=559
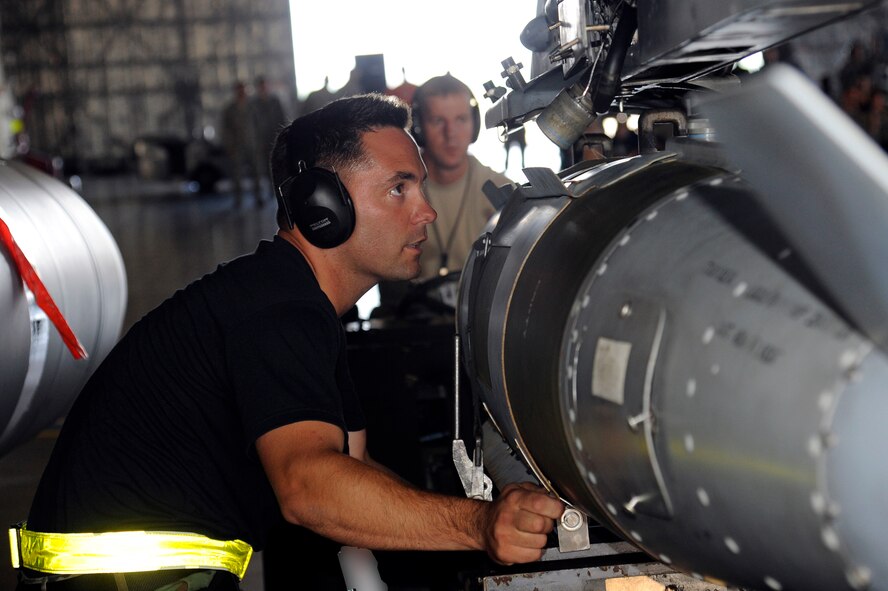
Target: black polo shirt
x=162, y=436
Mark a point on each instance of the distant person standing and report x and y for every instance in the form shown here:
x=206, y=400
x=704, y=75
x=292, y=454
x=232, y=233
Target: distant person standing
x=268, y=119
x=318, y=98
x=446, y=121
x=405, y=90
x=877, y=117
x=239, y=141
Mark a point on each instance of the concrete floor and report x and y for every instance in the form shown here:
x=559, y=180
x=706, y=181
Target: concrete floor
x=168, y=237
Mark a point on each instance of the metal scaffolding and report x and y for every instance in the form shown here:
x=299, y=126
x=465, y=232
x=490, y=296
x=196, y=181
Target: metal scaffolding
x=94, y=75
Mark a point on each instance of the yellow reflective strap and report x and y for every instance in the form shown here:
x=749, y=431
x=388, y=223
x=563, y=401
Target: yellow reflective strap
x=130, y=551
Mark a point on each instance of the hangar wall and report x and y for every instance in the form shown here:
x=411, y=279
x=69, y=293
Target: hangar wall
x=94, y=75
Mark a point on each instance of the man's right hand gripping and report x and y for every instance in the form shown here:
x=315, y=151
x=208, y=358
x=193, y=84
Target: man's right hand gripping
x=518, y=523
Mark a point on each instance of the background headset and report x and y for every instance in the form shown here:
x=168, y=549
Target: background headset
x=315, y=201
x=419, y=98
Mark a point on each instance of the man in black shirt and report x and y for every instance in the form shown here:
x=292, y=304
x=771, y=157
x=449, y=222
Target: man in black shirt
x=230, y=405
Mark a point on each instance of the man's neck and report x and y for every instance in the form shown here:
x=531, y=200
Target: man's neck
x=342, y=289
x=447, y=176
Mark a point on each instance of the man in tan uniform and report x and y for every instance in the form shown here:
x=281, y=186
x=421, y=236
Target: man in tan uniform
x=446, y=120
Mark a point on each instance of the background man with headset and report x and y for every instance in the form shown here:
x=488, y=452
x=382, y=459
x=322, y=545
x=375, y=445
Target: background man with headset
x=446, y=120
x=230, y=407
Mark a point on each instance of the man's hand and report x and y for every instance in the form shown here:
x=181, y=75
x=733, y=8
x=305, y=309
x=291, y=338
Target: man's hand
x=519, y=521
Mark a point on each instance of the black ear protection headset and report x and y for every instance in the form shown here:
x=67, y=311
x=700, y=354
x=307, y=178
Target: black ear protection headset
x=315, y=201
x=417, y=108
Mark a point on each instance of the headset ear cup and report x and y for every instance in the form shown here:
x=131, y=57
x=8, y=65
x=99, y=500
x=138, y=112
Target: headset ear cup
x=321, y=207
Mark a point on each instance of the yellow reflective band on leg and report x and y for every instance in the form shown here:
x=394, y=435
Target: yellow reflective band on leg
x=130, y=551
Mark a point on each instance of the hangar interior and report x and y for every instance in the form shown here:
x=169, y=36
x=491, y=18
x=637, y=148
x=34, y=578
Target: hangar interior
x=94, y=77
x=120, y=102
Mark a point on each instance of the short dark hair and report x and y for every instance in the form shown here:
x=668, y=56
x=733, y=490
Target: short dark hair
x=331, y=136
x=440, y=86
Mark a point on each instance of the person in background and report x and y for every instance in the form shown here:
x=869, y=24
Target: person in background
x=855, y=99
x=405, y=90
x=446, y=121
x=268, y=119
x=239, y=140
x=877, y=117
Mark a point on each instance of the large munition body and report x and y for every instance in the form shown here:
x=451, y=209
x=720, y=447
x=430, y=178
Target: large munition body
x=656, y=352
x=80, y=265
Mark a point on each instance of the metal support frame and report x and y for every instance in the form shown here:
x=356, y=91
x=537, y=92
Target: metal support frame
x=591, y=569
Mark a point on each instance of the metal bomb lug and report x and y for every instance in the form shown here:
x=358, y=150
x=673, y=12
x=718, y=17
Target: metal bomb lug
x=656, y=352
x=79, y=263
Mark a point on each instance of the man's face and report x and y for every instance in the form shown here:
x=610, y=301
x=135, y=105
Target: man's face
x=391, y=210
x=447, y=127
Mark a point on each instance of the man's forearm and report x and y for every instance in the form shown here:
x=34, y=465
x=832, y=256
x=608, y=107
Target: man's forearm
x=351, y=501
x=361, y=505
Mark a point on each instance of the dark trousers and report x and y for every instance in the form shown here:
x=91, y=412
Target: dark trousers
x=287, y=543
x=147, y=581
